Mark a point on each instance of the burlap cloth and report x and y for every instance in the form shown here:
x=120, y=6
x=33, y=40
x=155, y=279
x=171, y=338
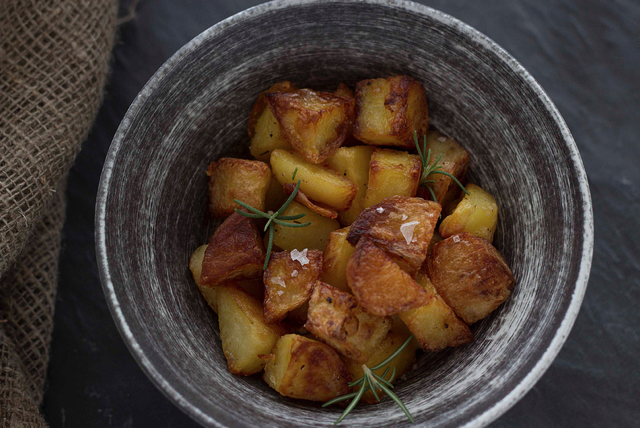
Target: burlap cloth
x=54, y=60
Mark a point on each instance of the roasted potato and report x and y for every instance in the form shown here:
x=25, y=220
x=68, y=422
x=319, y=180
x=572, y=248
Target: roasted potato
x=401, y=226
x=379, y=284
x=303, y=199
x=392, y=173
x=336, y=257
x=318, y=182
x=434, y=240
x=435, y=325
x=455, y=160
x=245, y=180
x=307, y=369
x=244, y=334
x=235, y=251
x=389, y=111
x=477, y=213
x=353, y=163
x=263, y=127
x=402, y=363
x=346, y=92
x=315, y=236
x=210, y=294
x=314, y=123
x=335, y=318
x=289, y=280
x=471, y=275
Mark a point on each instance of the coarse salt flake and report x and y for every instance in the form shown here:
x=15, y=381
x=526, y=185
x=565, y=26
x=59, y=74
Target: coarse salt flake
x=279, y=281
x=280, y=292
x=300, y=256
x=456, y=238
x=294, y=273
x=380, y=210
x=404, y=217
x=407, y=230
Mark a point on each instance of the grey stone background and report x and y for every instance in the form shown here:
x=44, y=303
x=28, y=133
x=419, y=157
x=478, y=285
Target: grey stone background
x=584, y=53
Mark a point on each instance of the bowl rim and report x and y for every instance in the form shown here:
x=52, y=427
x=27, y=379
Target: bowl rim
x=528, y=381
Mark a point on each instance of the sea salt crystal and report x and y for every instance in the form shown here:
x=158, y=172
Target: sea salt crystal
x=442, y=139
x=279, y=281
x=380, y=210
x=456, y=238
x=280, y=292
x=407, y=230
x=294, y=273
x=300, y=256
x=404, y=217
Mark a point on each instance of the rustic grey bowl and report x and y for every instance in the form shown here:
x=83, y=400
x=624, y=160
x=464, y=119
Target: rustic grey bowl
x=151, y=210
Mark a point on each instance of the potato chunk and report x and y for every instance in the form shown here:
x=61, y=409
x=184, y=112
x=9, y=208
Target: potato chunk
x=288, y=282
x=477, y=213
x=401, y=226
x=353, y=163
x=471, y=276
x=235, y=251
x=307, y=369
x=345, y=91
x=402, y=363
x=335, y=318
x=379, y=284
x=389, y=111
x=210, y=294
x=314, y=123
x=455, y=160
x=275, y=195
x=244, y=334
x=303, y=199
x=336, y=257
x=435, y=325
x=318, y=182
x=315, y=236
x=263, y=127
x=245, y=180
x=392, y=173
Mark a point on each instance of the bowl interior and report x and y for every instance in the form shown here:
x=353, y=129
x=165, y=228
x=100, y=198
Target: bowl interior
x=152, y=204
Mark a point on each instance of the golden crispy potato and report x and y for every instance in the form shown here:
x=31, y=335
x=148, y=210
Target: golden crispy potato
x=210, y=294
x=244, y=334
x=434, y=240
x=314, y=237
x=401, y=226
x=336, y=257
x=301, y=198
x=345, y=92
x=379, y=284
x=455, y=160
x=353, y=163
x=288, y=282
x=392, y=173
x=435, y=325
x=245, y=180
x=263, y=128
x=389, y=111
x=402, y=363
x=275, y=196
x=471, y=276
x=235, y=251
x=477, y=213
x=335, y=318
x=307, y=369
x=318, y=182
x=314, y=123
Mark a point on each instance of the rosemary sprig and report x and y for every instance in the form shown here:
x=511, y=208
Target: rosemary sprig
x=431, y=169
x=372, y=381
x=274, y=218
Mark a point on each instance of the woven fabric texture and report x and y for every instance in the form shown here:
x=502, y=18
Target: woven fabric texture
x=54, y=61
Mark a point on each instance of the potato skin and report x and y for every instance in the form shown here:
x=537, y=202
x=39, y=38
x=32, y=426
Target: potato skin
x=335, y=318
x=435, y=325
x=389, y=111
x=306, y=369
x=314, y=123
x=235, y=251
x=303, y=199
x=471, y=275
x=379, y=284
x=477, y=213
x=298, y=283
x=382, y=224
x=392, y=173
x=245, y=180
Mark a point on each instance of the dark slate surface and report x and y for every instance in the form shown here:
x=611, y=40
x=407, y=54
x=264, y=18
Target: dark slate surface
x=586, y=55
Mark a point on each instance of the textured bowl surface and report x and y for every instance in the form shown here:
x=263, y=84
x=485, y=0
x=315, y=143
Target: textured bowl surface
x=151, y=210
